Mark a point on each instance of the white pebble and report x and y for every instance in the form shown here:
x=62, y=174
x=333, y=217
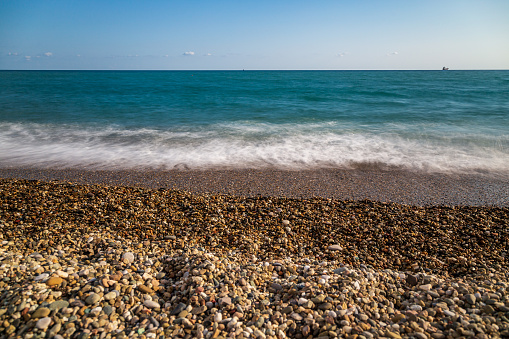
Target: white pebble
x=43, y=323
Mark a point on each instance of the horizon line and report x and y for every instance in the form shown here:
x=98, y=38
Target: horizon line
x=256, y=70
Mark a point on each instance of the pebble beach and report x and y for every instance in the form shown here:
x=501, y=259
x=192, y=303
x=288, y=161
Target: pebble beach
x=91, y=260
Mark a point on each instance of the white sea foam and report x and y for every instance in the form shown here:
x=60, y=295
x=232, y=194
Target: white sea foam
x=245, y=145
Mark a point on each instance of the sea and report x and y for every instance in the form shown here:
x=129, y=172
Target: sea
x=432, y=121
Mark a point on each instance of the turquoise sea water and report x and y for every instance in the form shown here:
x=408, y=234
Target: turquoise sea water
x=439, y=121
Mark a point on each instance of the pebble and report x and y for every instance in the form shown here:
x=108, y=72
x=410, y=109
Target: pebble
x=92, y=299
x=54, y=281
x=151, y=304
x=43, y=323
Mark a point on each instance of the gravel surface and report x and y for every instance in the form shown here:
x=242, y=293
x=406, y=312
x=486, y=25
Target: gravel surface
x=94, y=261
x=404, y=187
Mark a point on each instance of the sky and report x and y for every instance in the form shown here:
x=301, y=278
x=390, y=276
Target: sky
x=254, y=35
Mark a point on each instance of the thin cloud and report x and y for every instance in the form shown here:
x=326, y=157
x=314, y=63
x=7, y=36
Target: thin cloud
x=188, y=53
x=342, y=54
x=13, y=54
x=28, y=57
x=208, y=54
x=48, y=54
x=393, y=53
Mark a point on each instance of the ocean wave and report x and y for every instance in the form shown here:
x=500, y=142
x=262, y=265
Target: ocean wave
x=251, y=145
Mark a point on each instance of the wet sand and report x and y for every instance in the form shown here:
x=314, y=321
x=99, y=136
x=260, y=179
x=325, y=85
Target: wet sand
x=411, y=188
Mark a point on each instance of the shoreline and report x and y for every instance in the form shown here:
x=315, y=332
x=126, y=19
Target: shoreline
x=399, y=186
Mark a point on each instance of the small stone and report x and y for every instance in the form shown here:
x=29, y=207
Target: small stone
x=179, y=308
x=335, y=247
x=145, y=289
x=340, y=270
x=425, y=287
x=296, y=316
x=54, y=330
x=392, y=335
x=128, y=257
x=225, y=301
x=43, y=323
x=41, y=277
x=488, y=309
x=59, y=304
x=411, y=280
x=325, y=306
x=449, y=313
x=276, y=286
x=111, y=295
x=151, y=304
x=470, y=298
x=108, y=310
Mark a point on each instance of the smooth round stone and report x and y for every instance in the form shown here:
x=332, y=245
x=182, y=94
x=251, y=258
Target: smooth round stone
x=128, y=257
x=425, y=287
x=41, y=277
x=62, y=274
x=470, y=298
x=108, y=310
x=449, y=313
x=54, y=281
x=92, y=299
x=41, y=312
x=335, y=247
x=151, y=304
x=110, y=295
x=325, y=306
x=296, y=316
x=43, y=323
x=302, y=301
x=59, y=304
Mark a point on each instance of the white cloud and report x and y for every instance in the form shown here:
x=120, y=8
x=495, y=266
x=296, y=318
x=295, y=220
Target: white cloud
x=188, y=53
x=342, y=54
x=208, y=54
x=393, y=53
x=48, y=54
x=13, y=53
x=28, y=57
x=166, y=55
x=78, y=55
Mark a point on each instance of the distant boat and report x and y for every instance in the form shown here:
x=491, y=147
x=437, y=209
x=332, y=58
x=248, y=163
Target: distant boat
x=445, y=68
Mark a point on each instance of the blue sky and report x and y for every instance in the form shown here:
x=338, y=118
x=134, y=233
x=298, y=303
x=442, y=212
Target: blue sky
x=192, y=34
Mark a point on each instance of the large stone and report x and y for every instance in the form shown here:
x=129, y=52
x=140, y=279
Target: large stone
x=54, y=281
x=335, y=247
x=59, y=304
x=41, y=312
x=92, y=299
